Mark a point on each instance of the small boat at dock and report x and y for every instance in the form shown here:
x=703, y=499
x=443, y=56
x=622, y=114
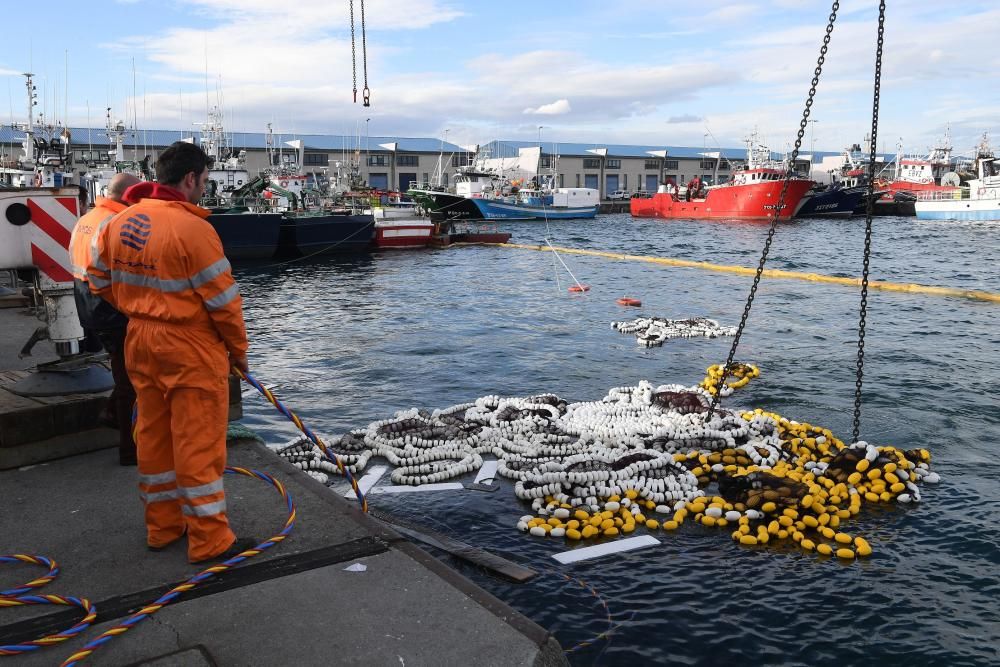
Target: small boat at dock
x=980, y=200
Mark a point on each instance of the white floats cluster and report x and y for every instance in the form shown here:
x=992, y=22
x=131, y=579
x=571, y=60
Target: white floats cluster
x=578, y=452
x=644, y=457
x=654, y=331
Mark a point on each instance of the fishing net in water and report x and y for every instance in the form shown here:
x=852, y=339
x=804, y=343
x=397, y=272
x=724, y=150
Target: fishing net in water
x=654, y=331
x=644, y=457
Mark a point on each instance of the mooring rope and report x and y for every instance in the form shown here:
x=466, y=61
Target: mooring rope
x=294, y=418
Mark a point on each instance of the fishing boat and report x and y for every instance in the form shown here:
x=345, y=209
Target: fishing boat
x=833, y=200
x=508, y=189
x=979, y=200
x=45, y=152
x=276, y=235
x=751, y=194
x=396, y=233
x=931, y=176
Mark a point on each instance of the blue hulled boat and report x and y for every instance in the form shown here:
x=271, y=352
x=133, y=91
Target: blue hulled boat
x=249, y=235
x=559, y=204
x=831, y=200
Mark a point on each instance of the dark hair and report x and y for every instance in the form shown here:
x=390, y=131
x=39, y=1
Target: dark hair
x=178, y=160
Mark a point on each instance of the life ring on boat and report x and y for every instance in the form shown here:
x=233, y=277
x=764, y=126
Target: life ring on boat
x=38, y=179
x=627, y=301
x=981, y=191
x=579, y=288
x=283, y=184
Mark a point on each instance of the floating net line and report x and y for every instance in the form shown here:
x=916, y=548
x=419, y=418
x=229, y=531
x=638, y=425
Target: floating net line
x=654, y=331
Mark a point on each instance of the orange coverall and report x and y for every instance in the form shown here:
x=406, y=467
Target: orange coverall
x=99, y=317
x=84, y=233
x=161, y=263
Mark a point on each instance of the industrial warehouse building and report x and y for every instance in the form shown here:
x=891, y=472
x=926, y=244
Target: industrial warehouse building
x=395, y=162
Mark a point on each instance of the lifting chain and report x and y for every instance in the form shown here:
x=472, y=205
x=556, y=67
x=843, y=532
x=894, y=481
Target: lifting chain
x=868, y=224
x=354, y=56
x=780, y=205
x=366, y=94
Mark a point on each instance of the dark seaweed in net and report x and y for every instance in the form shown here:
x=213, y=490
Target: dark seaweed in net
x=757, y=488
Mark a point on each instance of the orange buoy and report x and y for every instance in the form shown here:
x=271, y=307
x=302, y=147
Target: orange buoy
x=579, y=288
x=626, y=301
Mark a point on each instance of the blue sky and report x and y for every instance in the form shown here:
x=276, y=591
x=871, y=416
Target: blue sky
x=662, y=73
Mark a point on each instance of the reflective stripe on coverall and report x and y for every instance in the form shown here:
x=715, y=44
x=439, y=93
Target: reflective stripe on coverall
x=84, y=233
x=162, y=264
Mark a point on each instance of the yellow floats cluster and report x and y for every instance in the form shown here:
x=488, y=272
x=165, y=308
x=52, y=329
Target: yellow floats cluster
x=742, y=372
x=805, y=498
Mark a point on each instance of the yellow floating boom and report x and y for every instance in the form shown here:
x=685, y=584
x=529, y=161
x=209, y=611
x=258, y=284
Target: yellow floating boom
x=912, y=288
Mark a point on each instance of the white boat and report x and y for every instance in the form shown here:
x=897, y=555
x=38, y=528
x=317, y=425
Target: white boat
x=979, y=200
x=45, y=152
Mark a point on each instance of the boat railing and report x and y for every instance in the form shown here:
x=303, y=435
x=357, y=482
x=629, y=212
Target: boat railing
x=471, y=228
x=958, y=193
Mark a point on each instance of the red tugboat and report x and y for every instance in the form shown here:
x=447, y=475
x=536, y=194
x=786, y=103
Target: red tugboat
x=752, y=194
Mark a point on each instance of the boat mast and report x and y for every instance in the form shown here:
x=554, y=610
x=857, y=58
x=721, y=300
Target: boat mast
x=28, y=161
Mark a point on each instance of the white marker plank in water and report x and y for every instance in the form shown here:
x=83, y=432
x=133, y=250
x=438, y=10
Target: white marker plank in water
x=367, y=482
x=487, y=472
x=442, y=486
x=598, y=550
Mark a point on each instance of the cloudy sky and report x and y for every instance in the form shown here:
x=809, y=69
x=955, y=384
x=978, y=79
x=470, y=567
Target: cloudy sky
x=644, y=72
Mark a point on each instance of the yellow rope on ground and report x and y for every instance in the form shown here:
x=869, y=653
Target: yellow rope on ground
x=773, y=273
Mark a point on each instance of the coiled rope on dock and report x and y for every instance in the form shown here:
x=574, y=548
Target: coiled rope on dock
x=16, y=596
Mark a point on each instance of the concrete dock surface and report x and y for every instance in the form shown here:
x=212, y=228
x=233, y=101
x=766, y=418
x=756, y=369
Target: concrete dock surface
x=295, y=604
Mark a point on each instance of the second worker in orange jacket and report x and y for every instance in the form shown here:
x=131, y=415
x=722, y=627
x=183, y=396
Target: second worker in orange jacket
x=161, y=263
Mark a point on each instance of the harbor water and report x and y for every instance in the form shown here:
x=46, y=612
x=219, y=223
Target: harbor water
x=350, y=340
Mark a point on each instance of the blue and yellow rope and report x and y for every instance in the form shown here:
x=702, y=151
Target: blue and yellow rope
x=15, y=597
x=294, y=418
x=199, y=578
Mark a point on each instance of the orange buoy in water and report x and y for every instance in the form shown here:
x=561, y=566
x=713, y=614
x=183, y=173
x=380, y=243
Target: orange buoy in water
x=626, y=301
x=579, y=288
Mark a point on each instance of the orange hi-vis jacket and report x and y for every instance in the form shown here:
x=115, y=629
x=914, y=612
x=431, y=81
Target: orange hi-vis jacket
x=83, y=241
x=94, y=312
x=162, y=261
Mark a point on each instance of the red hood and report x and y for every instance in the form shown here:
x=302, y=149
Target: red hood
x=152, y=190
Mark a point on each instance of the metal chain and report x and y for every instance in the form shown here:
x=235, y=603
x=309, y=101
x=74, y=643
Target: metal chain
x=868, y=225
x=354, y=57
x=366, y=94
x=780, y=206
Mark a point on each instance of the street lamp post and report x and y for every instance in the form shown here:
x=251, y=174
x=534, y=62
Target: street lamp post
x=812, y=135
x=538, y=168
x=368, y=157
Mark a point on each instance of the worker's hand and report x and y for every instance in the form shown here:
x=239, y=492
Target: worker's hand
x=239, y=361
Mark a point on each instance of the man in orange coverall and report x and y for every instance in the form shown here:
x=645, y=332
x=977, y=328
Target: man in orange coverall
x=98, y=315
x=161, y=263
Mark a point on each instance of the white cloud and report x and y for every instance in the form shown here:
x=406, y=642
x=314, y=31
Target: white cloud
x=557, y=108
x=731, y=13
